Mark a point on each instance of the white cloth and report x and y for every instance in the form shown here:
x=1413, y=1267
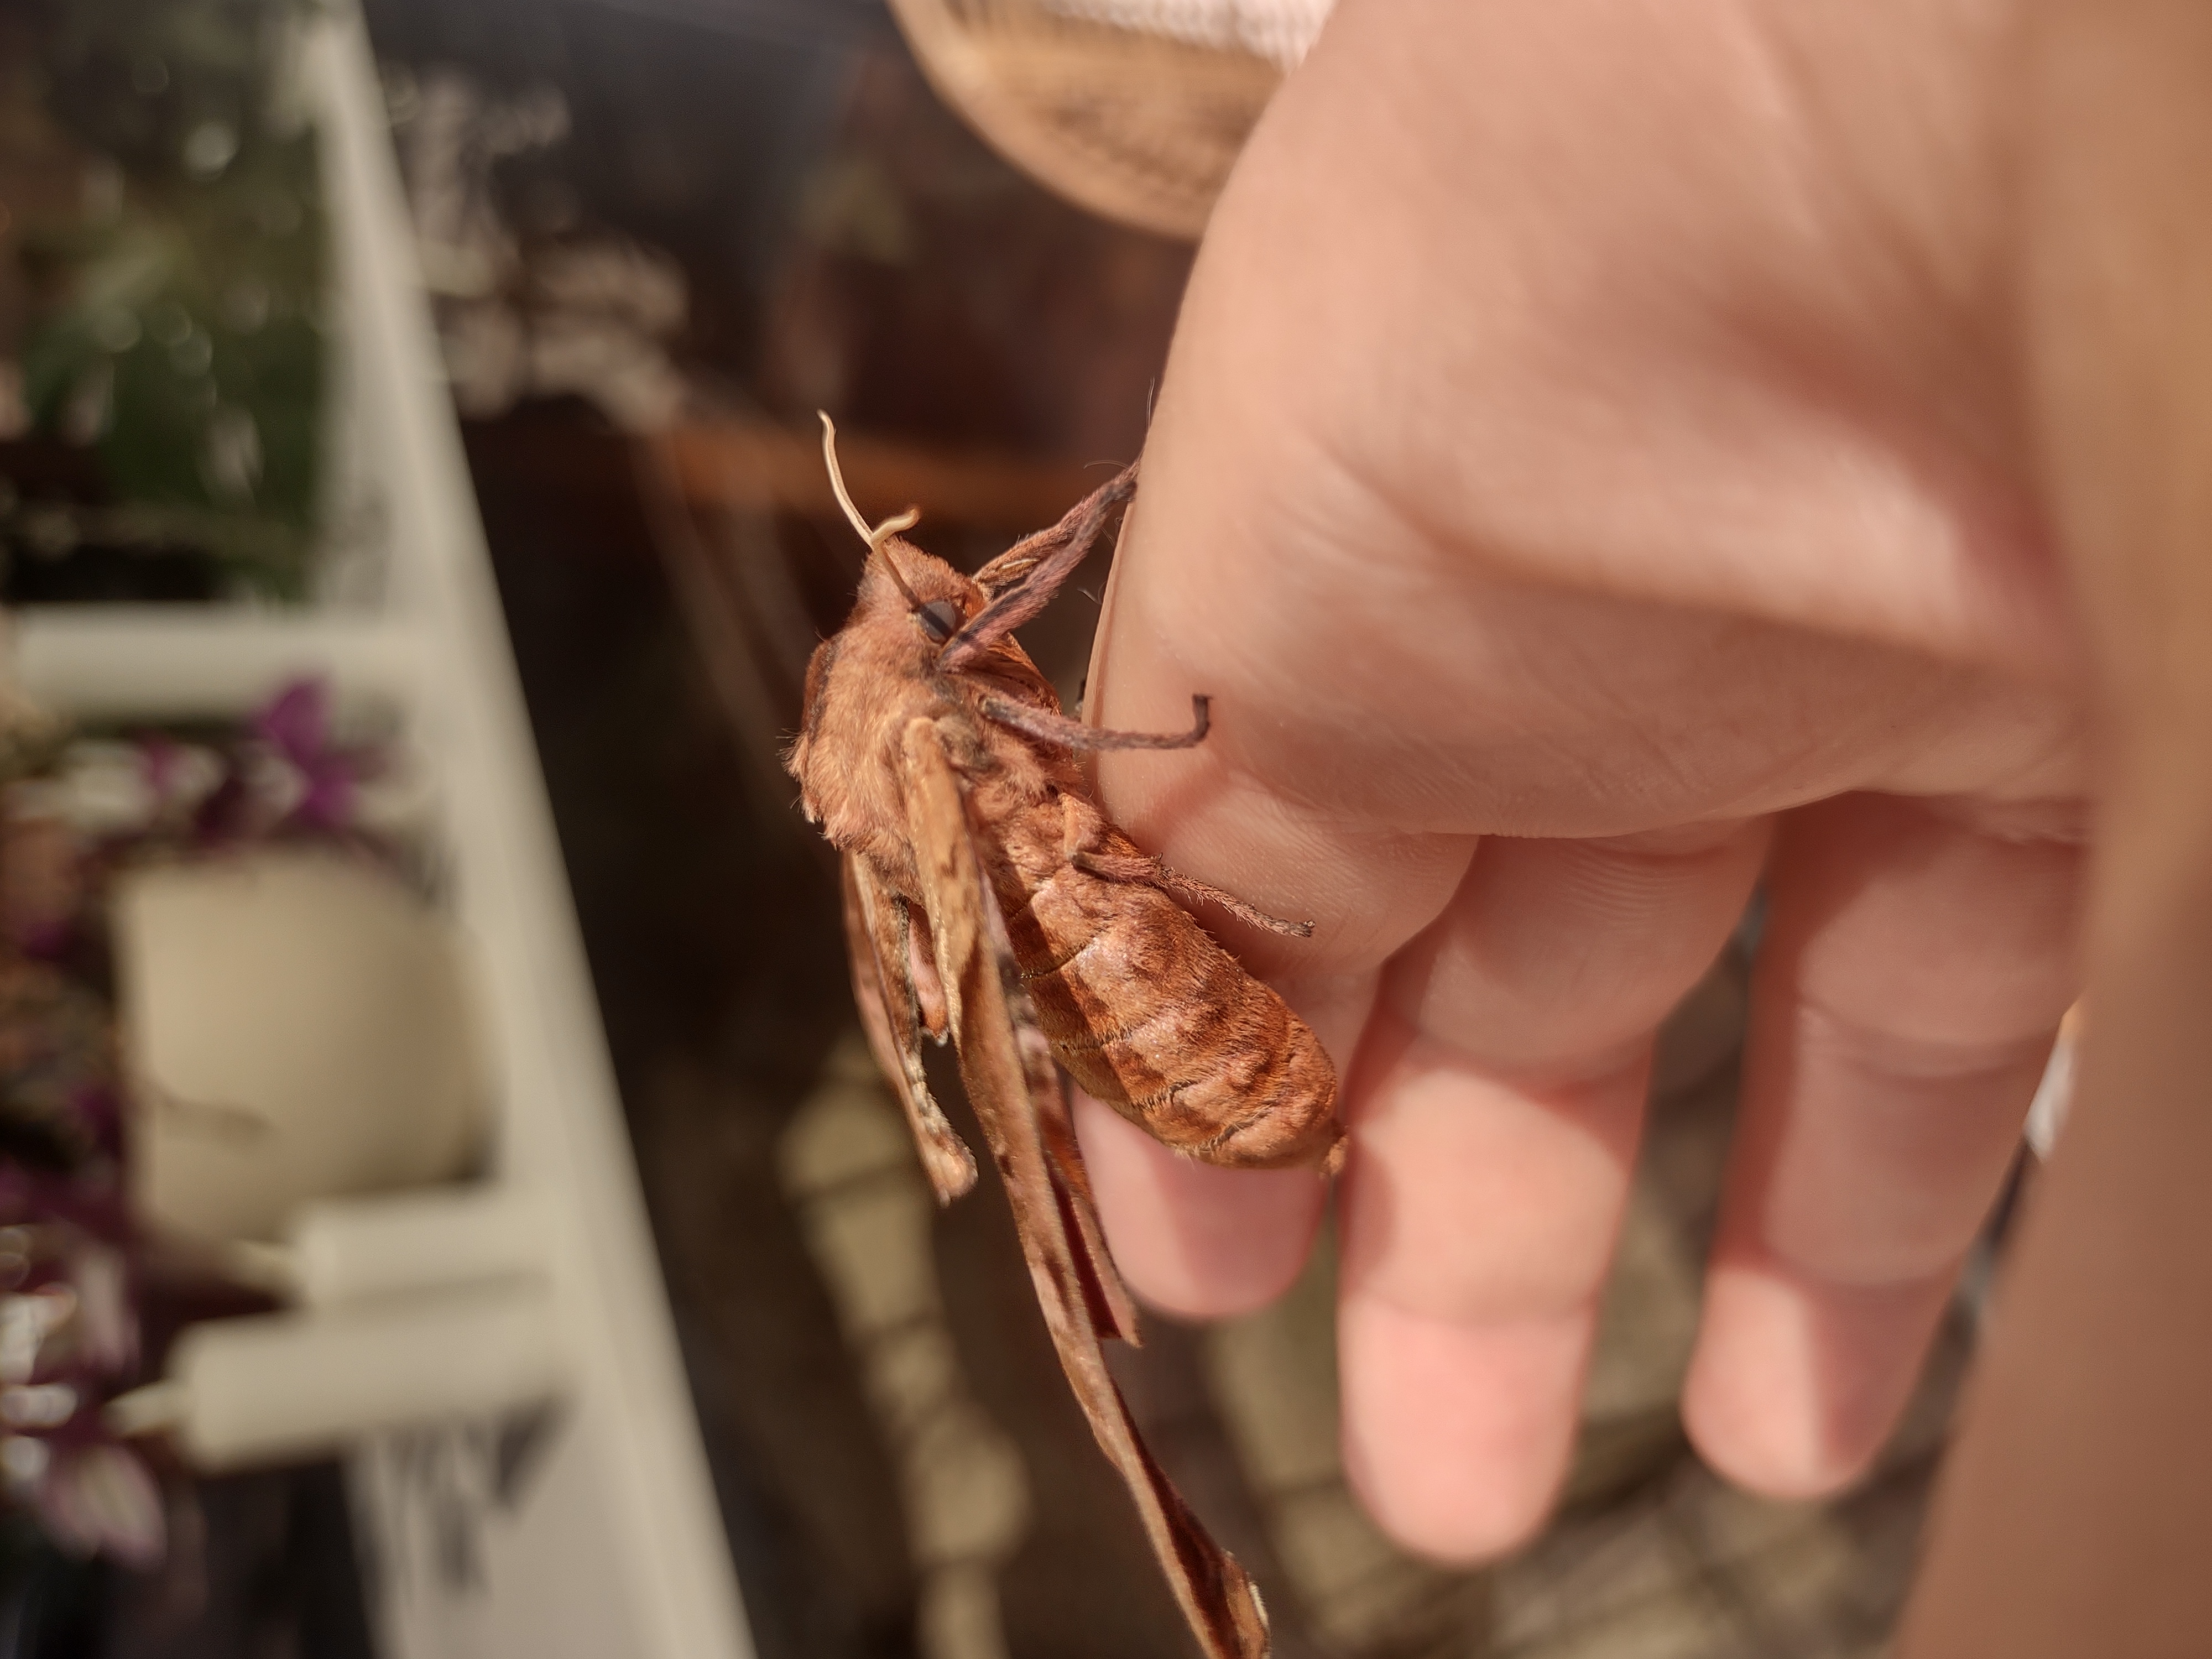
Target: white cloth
x=1281, y=30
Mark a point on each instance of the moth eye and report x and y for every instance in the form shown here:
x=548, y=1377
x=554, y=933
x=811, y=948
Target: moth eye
x=940, y=619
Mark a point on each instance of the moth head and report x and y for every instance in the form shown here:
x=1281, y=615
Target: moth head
x=935, y=599
x=796, y=755
x=934, y=594
x=939, y=618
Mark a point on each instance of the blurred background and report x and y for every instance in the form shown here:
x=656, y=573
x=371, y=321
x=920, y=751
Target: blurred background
x=445, y=1206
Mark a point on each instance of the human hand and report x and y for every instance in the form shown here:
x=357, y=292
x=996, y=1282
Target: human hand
x=1588, y=475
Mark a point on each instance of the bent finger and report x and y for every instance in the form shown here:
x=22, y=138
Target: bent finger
x=1197, y=1241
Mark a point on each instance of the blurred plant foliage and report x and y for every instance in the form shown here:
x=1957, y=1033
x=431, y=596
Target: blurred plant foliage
x=175, y=321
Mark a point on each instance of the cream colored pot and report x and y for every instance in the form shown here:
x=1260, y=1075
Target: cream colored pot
x=294, y=1026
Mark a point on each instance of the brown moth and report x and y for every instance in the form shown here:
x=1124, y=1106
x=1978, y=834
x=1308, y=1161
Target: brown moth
x=989, y=899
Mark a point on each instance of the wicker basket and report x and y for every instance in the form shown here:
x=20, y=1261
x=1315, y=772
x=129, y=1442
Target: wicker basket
x=1139, y=126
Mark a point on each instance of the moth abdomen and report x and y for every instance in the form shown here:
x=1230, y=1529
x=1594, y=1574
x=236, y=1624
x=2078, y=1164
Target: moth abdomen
x=1151, y=1016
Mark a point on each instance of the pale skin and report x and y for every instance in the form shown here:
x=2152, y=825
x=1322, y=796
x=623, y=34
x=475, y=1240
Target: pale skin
x=1593, y=476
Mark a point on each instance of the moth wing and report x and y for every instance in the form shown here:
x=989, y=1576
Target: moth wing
x=955, y=898
x=884, y=989
x=1014, y=1085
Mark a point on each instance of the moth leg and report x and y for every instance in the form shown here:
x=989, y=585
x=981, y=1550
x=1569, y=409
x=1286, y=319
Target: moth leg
x=1089, y=842
x=1022, y=579
x=1190, y=887
x=1076, y=529
x=1062, y=733
x=920, y=958
x=885, y=992
x=1014, y=1085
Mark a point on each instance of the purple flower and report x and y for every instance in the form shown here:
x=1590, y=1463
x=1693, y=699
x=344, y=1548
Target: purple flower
x=296, y=725
x=69, y=1339
x=296, y=721
x=161, y=763
x=30, y=1197
x=94, y=1498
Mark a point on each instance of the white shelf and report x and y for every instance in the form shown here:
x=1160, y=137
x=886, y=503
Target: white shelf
x=616, y=1547
x=117, y=662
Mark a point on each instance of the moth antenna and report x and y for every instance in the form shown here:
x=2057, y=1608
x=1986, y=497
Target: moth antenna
x=883, y=532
